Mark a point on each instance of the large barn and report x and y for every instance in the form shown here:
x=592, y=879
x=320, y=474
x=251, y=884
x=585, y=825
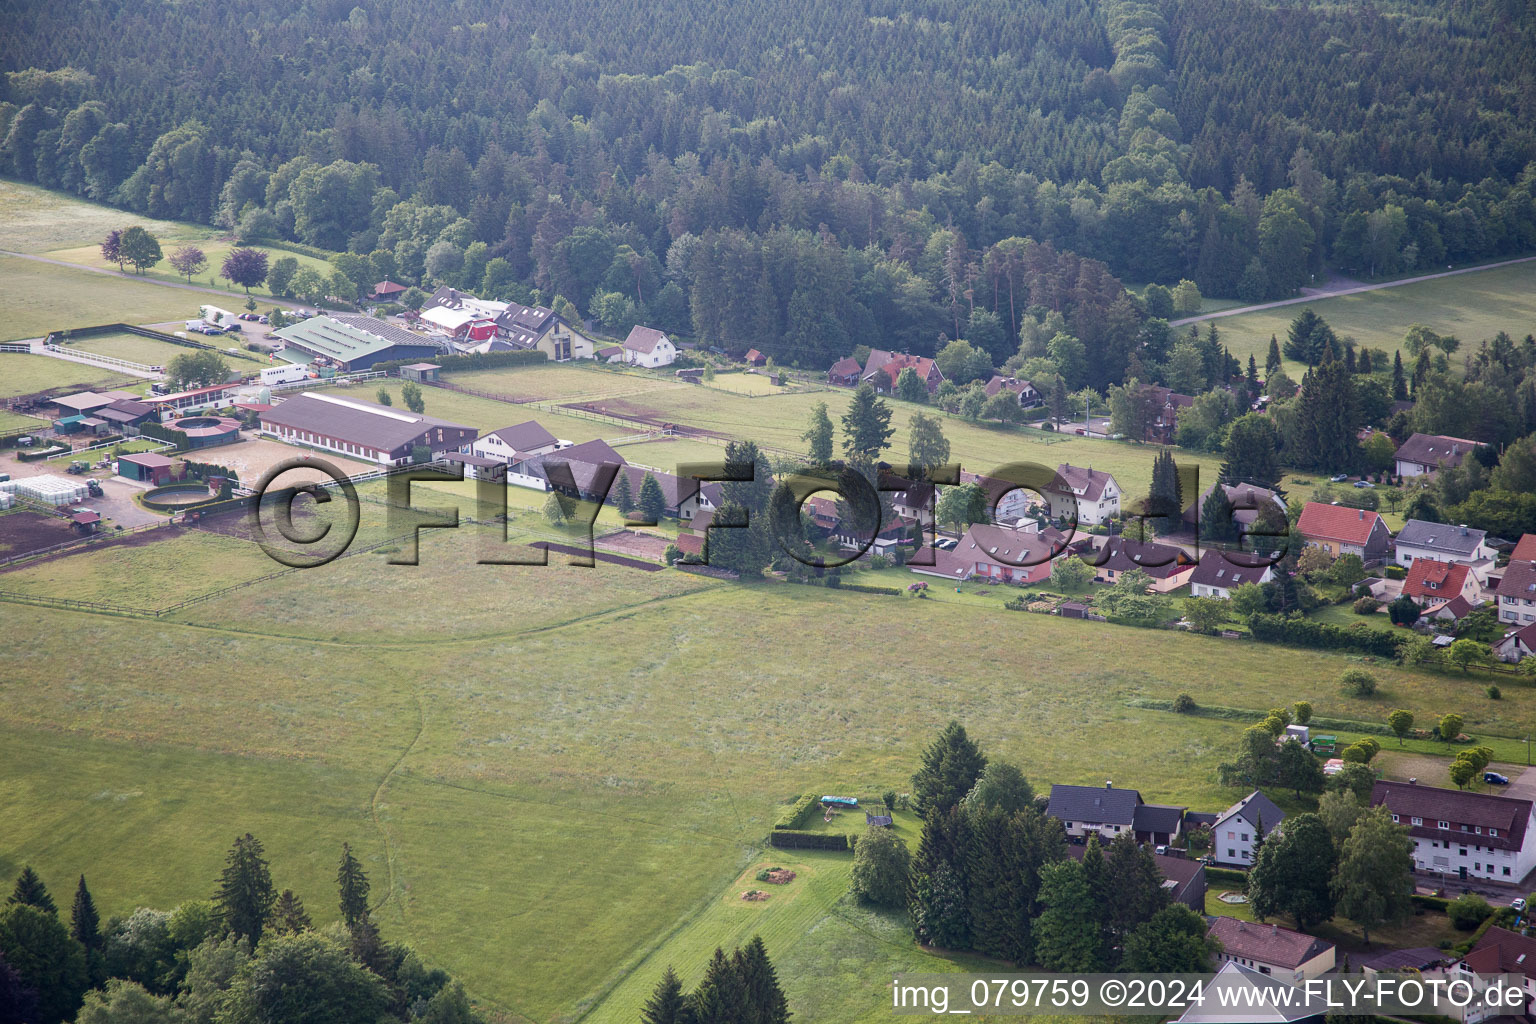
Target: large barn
x=354, y=342
x=362, y=430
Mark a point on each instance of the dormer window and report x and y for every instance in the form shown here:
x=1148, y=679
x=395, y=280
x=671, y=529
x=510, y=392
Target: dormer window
x=1443, y=824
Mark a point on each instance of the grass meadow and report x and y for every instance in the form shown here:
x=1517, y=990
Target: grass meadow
x=562, y=793
x=24, y=374
x=1473, y=307
x=41, y=297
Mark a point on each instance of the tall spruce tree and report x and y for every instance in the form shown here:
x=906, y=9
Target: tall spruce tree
x=668, y=1004
x=819, y=435
x=84, y=922
x=762, y=998
x=31, y=892
x=720, y=997
x=1217, y=525
x=1326, y=420
x=1399, y=379
x=352, y=885
x=244, y=896
x=1067, y=933
x=1253, y=452
x=652, y=504
x=1005, y=852
x=867, y=424
x=1165, y=503
x=940, y=906
x=1272, y=361
x=623, y=494
x=1252, y=379
x=1137, y=887
x=951, y=765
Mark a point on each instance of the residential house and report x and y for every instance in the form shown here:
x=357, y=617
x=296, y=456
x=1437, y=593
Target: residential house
x=1433, y=582
x=912, y=500
x=1163, y=406
x=882, y=369
x=1498, y=951
x=1216, y=575
x=1517, y=644
x=1091, y=496
x=1423, y=454
x=1282, y=1001
x=1525, y=549
x=1028, y=395
x=1455, y=832
x=352, y=343
x=386, y=291
x=1158, y=824
x=1238, y=827
x=1246, y=501
x=1420, y=539
x=998, y=553
x=1104, y=811
x=517, y=443
x=478, y=467
x=845, y=372
x=362, y=430
x=1341, y=530
x=1517, y=594
x=1269, y=949
x=1165, y=563
x=538, y=328
x=1183, y=879
x=646, y=346
x=1006, y=500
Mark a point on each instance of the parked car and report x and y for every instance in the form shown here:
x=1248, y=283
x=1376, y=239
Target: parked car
x=1495, y=778
x=1517, y=904
x=263, y=319
x=1364, y=483
x=946, y=543
x=249, y=316
x=1340, y=478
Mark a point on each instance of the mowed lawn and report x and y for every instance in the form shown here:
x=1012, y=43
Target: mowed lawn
x=23, y=374
x=11, y=422
x=550, y=806
x=779, y=420
x=41, y=297
x=1473, y=307
x=133, y=347
x=34, y=219
x=214, y=250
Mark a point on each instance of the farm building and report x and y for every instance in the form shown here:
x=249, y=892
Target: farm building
x=584, y=463
x=477, y=467
x=180, y=402
x=146, y=467
x=125, y=414
x=354, y=342
x=80, y=404
x=420, y=371
x=517, y=443
x=360, y=429
x=207, y=431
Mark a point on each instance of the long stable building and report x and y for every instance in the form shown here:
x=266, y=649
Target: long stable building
x=354, y=342
x=362, y=430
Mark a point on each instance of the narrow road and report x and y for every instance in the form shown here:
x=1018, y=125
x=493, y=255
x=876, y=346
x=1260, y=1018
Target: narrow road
x=1318, y=297
x=285, y=303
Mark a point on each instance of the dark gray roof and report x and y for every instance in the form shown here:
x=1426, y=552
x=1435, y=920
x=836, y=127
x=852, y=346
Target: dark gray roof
x=584, y=460
x=382, y=328
x=1157, y=818
x=1094, y=803
x=1254, y=807
x=1451, y=540
x=356, y=421
x=1418, y=959
x=1432, y=450
x=1217, y=570
x=525, y=437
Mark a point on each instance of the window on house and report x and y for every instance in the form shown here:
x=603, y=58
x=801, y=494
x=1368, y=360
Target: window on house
x=1231, y=853
x=1245, y=837
x=1417, y=821
x=1443, y=824
x=1394, y=819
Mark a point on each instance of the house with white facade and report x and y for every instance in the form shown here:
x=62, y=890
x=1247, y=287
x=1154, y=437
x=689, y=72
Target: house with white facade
x=1517, y=594
x=1092, y=496
x=1216, y=575
x=1463, y=834
x=1420, y=539
x=1238, y=827
x=647, y=346
x=1269, y=949
x=1424, y=454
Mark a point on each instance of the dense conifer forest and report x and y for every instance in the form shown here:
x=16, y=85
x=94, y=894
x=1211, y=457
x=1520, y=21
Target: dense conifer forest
x=800, y=176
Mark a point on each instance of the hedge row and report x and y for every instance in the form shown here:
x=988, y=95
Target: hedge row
x=1254, y=716
x=470, y=361
x=42, y=453
x=1227, y=875
x=1277, y=629
x=179, y=438
x=865, y=588
x=794, y=839
x=798, y=814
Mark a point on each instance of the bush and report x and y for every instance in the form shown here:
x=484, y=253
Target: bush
x=1494, y=693
x=1367, y=606
x=798, y=814
x=881, y=865
x=1183, y=704
x=1396, y=572
x=1357, y=682
x=1468, y=910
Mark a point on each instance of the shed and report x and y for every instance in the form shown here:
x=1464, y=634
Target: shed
x=85, y=521
x=146, y=467
x=420, y=371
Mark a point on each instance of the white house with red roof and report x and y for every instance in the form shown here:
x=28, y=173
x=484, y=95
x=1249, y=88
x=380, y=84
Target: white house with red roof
x=882, y=368
x=1091, y=495
x=1341, y=530
x=1433, y=582
x=1455, y=832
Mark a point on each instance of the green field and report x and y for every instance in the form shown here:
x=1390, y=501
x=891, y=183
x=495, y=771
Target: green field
x=606, y=747
x=1473, y=307
x=11, y=422
x=133, y=347
x=41, y=297
x=214, y=248
x=23, y=374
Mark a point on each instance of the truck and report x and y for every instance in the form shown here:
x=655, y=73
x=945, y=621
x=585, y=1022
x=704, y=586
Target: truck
x=283, y=374
x=203, y=327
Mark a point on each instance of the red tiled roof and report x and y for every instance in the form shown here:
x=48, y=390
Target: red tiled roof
x=1506, y=815
x=1336, y=523
x=1430, y=577
x=1266, y=943
x=1501, y=951
x=1525, y=550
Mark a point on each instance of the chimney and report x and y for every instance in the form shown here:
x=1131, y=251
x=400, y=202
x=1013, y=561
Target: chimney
x=1108, y=784
x=1274, y=929
x=1362, y=513
x=1414, y=781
